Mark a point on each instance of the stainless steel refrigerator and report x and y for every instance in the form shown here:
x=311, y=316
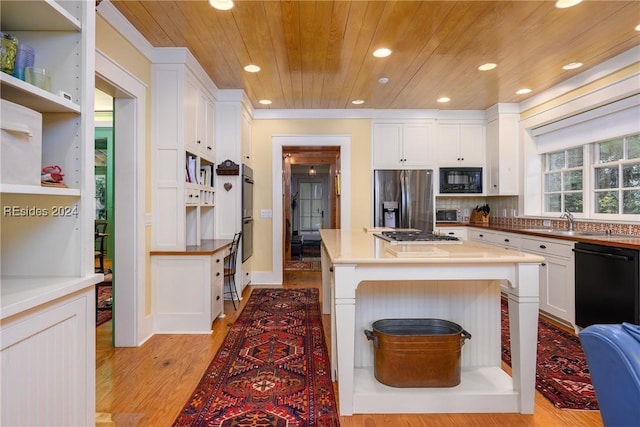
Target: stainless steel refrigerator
x=403, y=199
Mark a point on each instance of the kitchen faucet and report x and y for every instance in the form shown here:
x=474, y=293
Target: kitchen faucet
x=569, y=217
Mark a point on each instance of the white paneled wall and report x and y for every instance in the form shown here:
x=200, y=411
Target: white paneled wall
x=474, y=305
x=47, y=367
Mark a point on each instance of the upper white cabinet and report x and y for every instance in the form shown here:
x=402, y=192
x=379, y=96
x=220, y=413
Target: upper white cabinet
x=460, y=144
x=407, y=145
x=46, y=297
x=183, y=158
x=245, y=136
x=502, y=150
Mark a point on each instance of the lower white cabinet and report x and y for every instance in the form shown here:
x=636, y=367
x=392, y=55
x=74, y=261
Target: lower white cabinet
x=187, y=291
x=557, y=276
x=459, y=232
x=48, y=363
x=477, y=235
x=217, y=283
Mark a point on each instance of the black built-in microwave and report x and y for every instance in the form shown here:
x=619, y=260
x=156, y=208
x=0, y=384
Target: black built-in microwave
x=459, y=180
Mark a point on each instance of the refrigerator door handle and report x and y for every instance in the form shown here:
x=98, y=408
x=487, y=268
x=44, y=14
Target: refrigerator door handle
x=404, y=210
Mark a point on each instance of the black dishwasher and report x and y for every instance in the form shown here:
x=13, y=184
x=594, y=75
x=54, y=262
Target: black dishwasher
x=607, y=288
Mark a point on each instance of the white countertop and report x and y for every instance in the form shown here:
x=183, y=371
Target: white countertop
x=24, y=293
x=361, y=247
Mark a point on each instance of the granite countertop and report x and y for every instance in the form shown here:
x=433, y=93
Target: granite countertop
x=599, y=238
x=358, y=246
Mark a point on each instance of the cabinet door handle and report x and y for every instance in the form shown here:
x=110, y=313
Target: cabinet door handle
x=506, y=240
x=217, y=274
x=480, y=235
x=543, y=247
x=543, y=264
x=217, y=259
x=209, y=148
x=198, y=142
x=217, y=297
x=16, y=127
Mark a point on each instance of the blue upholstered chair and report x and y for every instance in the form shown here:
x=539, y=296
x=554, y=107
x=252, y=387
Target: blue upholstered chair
x=613, y=356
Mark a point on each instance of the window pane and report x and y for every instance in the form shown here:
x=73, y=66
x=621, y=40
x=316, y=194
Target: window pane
x=631, y=175
x=552, y=203
x=633, y=147
x=573, y=180
x=631, y=202
x=555, y=161
x=573, y=202
x=607, y=202
x=574, y=157
x=305, y=207
x=606, y=178
x=305, y=190
x=552, y=182
x=610, y=151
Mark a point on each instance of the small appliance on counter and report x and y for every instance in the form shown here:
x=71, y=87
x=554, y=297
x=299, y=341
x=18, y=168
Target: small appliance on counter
x=448, y=215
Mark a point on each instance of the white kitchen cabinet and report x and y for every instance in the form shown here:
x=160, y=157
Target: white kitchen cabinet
x=187, y=290
x=459, y=232
x=460, y=144
x=506, y=240
x=183, y=164
x=46, y=310
x=477, y=235
x=48, y=363
x=502, y=151
x=217, y=284
x=557, y=276
x=403, y=145
x=246, y=138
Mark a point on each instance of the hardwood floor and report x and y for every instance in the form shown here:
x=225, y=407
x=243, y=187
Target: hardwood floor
x=148, y=385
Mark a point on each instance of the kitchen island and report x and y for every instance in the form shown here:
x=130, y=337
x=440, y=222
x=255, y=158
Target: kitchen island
x=366, y=278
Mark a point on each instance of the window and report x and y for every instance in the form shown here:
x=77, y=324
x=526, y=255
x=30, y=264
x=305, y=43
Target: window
x=616, y=172
x=563, y=181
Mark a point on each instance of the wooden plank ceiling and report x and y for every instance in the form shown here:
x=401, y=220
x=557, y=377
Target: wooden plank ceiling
x=318, y=54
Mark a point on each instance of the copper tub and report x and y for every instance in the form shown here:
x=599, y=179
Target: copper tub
x=417, y=352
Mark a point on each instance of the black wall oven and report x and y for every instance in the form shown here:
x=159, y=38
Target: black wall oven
x=247, y=212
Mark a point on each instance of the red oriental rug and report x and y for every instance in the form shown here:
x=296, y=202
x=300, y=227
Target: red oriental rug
x=562, y=374
x=105, y=305
x=272, y=369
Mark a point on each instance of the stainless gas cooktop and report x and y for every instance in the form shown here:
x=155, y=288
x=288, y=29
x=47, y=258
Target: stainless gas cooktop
x=422, y=237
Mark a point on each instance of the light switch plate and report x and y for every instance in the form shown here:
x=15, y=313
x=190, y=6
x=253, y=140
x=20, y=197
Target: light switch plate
x=266, y=213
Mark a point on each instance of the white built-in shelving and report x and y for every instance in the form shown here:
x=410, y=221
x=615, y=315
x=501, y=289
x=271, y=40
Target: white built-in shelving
x=47, y=307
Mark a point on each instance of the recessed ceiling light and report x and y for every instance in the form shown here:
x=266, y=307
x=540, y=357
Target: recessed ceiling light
x=383, y=80
x=637, y=27
x=357, y=101
x=572, y=66
x=221, y=4
x=382, y=52
x=523, y=91
x=251, y=68
x=265, y=101
x=563, y=4
x=444, y=99
x=488, y=66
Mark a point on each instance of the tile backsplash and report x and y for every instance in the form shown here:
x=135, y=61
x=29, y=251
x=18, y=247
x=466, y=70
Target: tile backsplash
x=504, y=212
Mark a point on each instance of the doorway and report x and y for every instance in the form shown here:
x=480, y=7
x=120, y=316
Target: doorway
x=131, y=325
x=310, y=201
x=280, y=200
